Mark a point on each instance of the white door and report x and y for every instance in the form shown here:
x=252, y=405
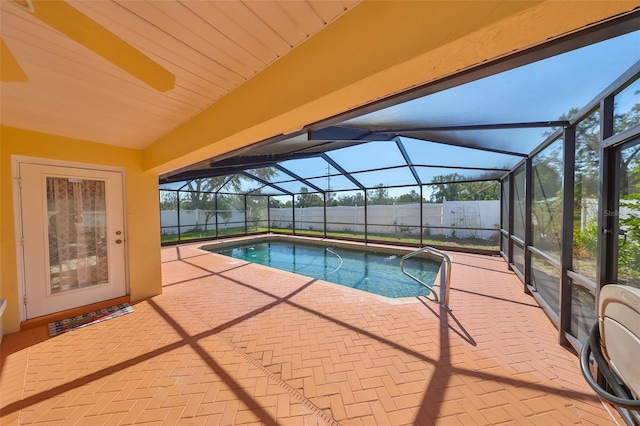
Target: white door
x=73, y=237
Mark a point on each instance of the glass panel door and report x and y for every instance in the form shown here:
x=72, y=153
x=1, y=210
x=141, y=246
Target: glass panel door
x=77, y=231
x=628, y=215
x=72, y=225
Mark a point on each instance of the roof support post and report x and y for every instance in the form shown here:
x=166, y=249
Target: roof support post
x=324, y=217
x=246, y=229
x=366, y=225
x=178, y=211
x=293, y=214
x=528, y=228
x=421, y=218
x=566, y=255
x=607, y=203
x=215, y=206
x=268, y=213
x=608, y=194
x=511, y=224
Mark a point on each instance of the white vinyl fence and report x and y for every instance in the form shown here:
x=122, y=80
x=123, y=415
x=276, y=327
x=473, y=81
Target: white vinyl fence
x=197, y=219
x=449, y=219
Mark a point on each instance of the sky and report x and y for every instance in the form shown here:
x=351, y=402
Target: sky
x=541, y=91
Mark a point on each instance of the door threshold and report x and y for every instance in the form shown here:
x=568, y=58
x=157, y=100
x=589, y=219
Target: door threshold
x=46, y=319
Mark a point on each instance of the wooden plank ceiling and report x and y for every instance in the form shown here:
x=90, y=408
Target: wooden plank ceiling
x=75, y=89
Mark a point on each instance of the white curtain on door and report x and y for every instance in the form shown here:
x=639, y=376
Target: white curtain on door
x=77, y=233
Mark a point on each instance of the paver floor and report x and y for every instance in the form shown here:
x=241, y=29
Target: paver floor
x=235, y=343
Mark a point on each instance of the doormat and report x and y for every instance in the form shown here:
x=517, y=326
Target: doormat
x=69, y=324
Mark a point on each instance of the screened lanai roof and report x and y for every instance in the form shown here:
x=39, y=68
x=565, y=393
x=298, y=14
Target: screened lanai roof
x=478, y=130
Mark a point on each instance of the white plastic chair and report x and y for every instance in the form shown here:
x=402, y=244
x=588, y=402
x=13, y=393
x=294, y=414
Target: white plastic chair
x=614, y=343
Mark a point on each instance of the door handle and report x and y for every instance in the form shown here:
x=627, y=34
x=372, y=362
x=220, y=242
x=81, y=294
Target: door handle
x=623, y=233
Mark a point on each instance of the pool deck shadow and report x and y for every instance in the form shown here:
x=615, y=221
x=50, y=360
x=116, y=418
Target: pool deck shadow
x=246, y=344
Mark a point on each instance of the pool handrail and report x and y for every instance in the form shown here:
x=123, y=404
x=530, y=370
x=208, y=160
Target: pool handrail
x=447, y=278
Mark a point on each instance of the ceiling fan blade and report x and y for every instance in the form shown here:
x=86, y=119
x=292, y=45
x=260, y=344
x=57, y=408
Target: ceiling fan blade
x=70, y=21
x=10, y=69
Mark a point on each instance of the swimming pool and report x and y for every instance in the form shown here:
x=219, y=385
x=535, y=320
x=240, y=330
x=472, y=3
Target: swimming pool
x=374, y=272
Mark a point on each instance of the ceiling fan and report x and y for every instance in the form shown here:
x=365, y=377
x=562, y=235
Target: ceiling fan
x=84, y=30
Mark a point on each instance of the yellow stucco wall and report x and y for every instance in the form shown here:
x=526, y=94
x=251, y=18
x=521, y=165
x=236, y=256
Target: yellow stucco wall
x=1, y=239
x=143, y=217
x=377, y=49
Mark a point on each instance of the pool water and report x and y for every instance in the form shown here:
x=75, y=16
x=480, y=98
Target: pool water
x=374, y=272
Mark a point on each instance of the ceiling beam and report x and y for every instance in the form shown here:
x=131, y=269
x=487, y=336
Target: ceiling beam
x=407, y=160
x=341, y=133
x=195, y=174
x=255, y=161
x=477, y=148
x=343, y=171
x=299, y=178
x=464, y=127
x=264, y=182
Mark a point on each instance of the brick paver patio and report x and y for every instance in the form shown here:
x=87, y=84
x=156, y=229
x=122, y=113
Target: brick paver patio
x=234, y=343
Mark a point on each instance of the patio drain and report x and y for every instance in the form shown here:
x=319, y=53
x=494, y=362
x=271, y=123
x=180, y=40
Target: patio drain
x=291, y=390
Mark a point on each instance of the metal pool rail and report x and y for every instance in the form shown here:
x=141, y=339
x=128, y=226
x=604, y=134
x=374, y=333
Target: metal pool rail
x=447, y=277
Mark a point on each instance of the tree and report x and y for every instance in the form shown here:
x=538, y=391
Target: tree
x=629, y=249
x=202, y=196
x=588, y=149
x=379, y=195
x=451, y=190
x=547, y=201
x=411, y=197
x=350, y=200
x=332, y=199
x=202, y=193
x=168, y=200
x=305, y=199
x=255, y=206
x=274, y=203
x=629, y=119
x=587, y=173
x=445, y=191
